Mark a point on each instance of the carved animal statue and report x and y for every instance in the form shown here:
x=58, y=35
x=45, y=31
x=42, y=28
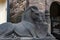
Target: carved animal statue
x=30, y=26
x=26, y=28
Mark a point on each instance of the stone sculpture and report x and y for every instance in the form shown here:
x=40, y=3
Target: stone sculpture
x=27, y=23
x=17, y=7
x=31, y=26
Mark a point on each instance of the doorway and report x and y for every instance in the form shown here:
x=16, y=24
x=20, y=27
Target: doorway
x=55, y=19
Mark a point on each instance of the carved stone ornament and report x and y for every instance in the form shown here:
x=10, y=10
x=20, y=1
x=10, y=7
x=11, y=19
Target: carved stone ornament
x=31, y=27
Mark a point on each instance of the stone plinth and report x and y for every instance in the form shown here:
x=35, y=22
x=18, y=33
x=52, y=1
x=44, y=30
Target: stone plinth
x=48, y=37
x=27, y=39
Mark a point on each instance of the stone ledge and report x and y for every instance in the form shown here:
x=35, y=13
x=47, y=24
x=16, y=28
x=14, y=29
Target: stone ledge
x=26, y=38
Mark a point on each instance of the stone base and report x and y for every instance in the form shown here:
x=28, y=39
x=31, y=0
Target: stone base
x=26, y=38
x=48, y=37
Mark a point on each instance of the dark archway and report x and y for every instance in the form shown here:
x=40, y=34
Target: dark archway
x=55, y=19
x=55, y=9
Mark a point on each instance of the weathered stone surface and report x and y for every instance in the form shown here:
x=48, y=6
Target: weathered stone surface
x=39, y=3
x=6, y=29
x=29, y=28
x=27, y=38
x=16, y=9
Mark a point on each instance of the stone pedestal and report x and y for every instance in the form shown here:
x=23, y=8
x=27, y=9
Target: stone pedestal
x=48, y=37
x=27, y=39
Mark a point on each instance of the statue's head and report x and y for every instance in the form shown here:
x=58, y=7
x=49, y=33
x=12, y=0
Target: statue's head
x=31, y=14
x=35, y=13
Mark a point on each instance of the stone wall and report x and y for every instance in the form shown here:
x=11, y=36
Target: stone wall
x=16, y=10
x=39, y=3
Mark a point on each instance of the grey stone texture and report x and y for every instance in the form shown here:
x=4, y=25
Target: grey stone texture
x=31, y=26
x=27, y=27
